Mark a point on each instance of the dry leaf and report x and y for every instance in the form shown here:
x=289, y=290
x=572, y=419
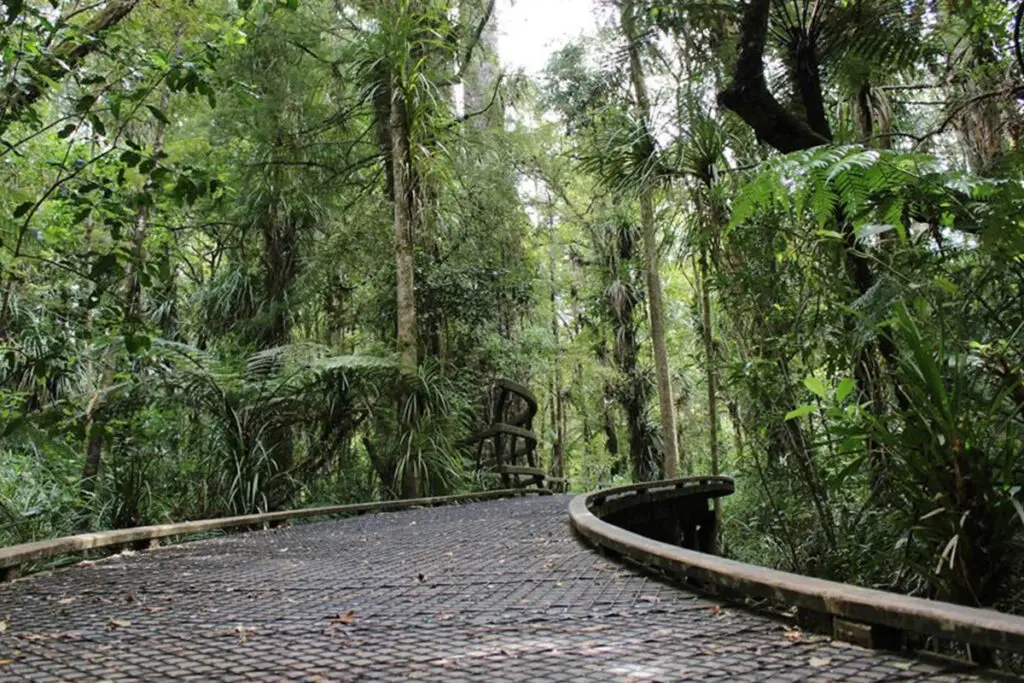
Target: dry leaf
x=348, y=618
x=3, y=626
x=243, y=632
x=218, y=633
x=794, y=635
x=714, y=609
x=902, y=665
x=119, y=623
x=818, y=662
x=5, y=662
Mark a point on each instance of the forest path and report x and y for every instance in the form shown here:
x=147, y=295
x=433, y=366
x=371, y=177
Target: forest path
x=495, y=591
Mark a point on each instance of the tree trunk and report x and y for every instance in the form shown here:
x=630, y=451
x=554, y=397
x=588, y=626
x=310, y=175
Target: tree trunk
x=737, y=429
x=406, y=211
x=557, y=409
x=133, y=293
x=654, y=291
x=710, y=368
x=94, y=435
x=709, y=360
x=482, y=71
x=405, y=215
x=611, y=437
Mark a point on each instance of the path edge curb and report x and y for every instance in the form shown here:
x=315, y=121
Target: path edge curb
x=838, y=602
x=13, y=557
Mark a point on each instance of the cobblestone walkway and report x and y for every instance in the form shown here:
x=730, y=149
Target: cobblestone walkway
x=497, y=591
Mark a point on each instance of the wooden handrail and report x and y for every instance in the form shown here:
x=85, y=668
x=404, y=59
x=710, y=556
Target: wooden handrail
x=503, y=428
x=986, y=628
x=525, y=417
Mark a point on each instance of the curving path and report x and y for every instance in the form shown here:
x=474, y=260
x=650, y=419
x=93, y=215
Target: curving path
x=496, y=591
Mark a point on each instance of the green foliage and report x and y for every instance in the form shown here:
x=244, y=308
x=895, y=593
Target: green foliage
x=937, y=451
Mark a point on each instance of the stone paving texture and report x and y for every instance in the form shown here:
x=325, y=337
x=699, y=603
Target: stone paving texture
x=498, y=591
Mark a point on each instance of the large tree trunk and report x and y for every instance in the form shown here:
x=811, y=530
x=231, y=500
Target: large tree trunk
x=481, y=72
x=632, y=390
x=406, y=212
x=405, y=219
x=670, y=442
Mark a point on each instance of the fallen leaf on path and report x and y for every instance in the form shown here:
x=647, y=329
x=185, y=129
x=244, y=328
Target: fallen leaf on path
x=119, y=623
x=3, y=626
x=347, y=618
x=903, y=665
x=794, y=635
x=33, y=637
x=244, y=633
x=818, y=662
x=5, y=662
x=714, y=609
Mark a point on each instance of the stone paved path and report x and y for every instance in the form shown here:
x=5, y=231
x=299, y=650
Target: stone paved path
x=498, y=591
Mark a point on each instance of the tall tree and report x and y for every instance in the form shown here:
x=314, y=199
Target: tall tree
x=642, y=104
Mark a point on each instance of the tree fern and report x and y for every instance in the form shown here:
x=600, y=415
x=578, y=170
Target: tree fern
x=875, y=190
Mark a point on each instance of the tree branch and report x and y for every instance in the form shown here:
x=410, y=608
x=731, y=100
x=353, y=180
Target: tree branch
x=960, y=107
x=468, y=54
x=469, y=115
x=808, y=80
x=66, y=57
x=476, y=36
x=748, y=95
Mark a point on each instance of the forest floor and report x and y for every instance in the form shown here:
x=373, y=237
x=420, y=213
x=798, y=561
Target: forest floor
x=497, y=591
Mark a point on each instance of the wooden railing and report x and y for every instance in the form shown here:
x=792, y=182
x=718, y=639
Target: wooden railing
x=634, y=523
x=507, y=447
